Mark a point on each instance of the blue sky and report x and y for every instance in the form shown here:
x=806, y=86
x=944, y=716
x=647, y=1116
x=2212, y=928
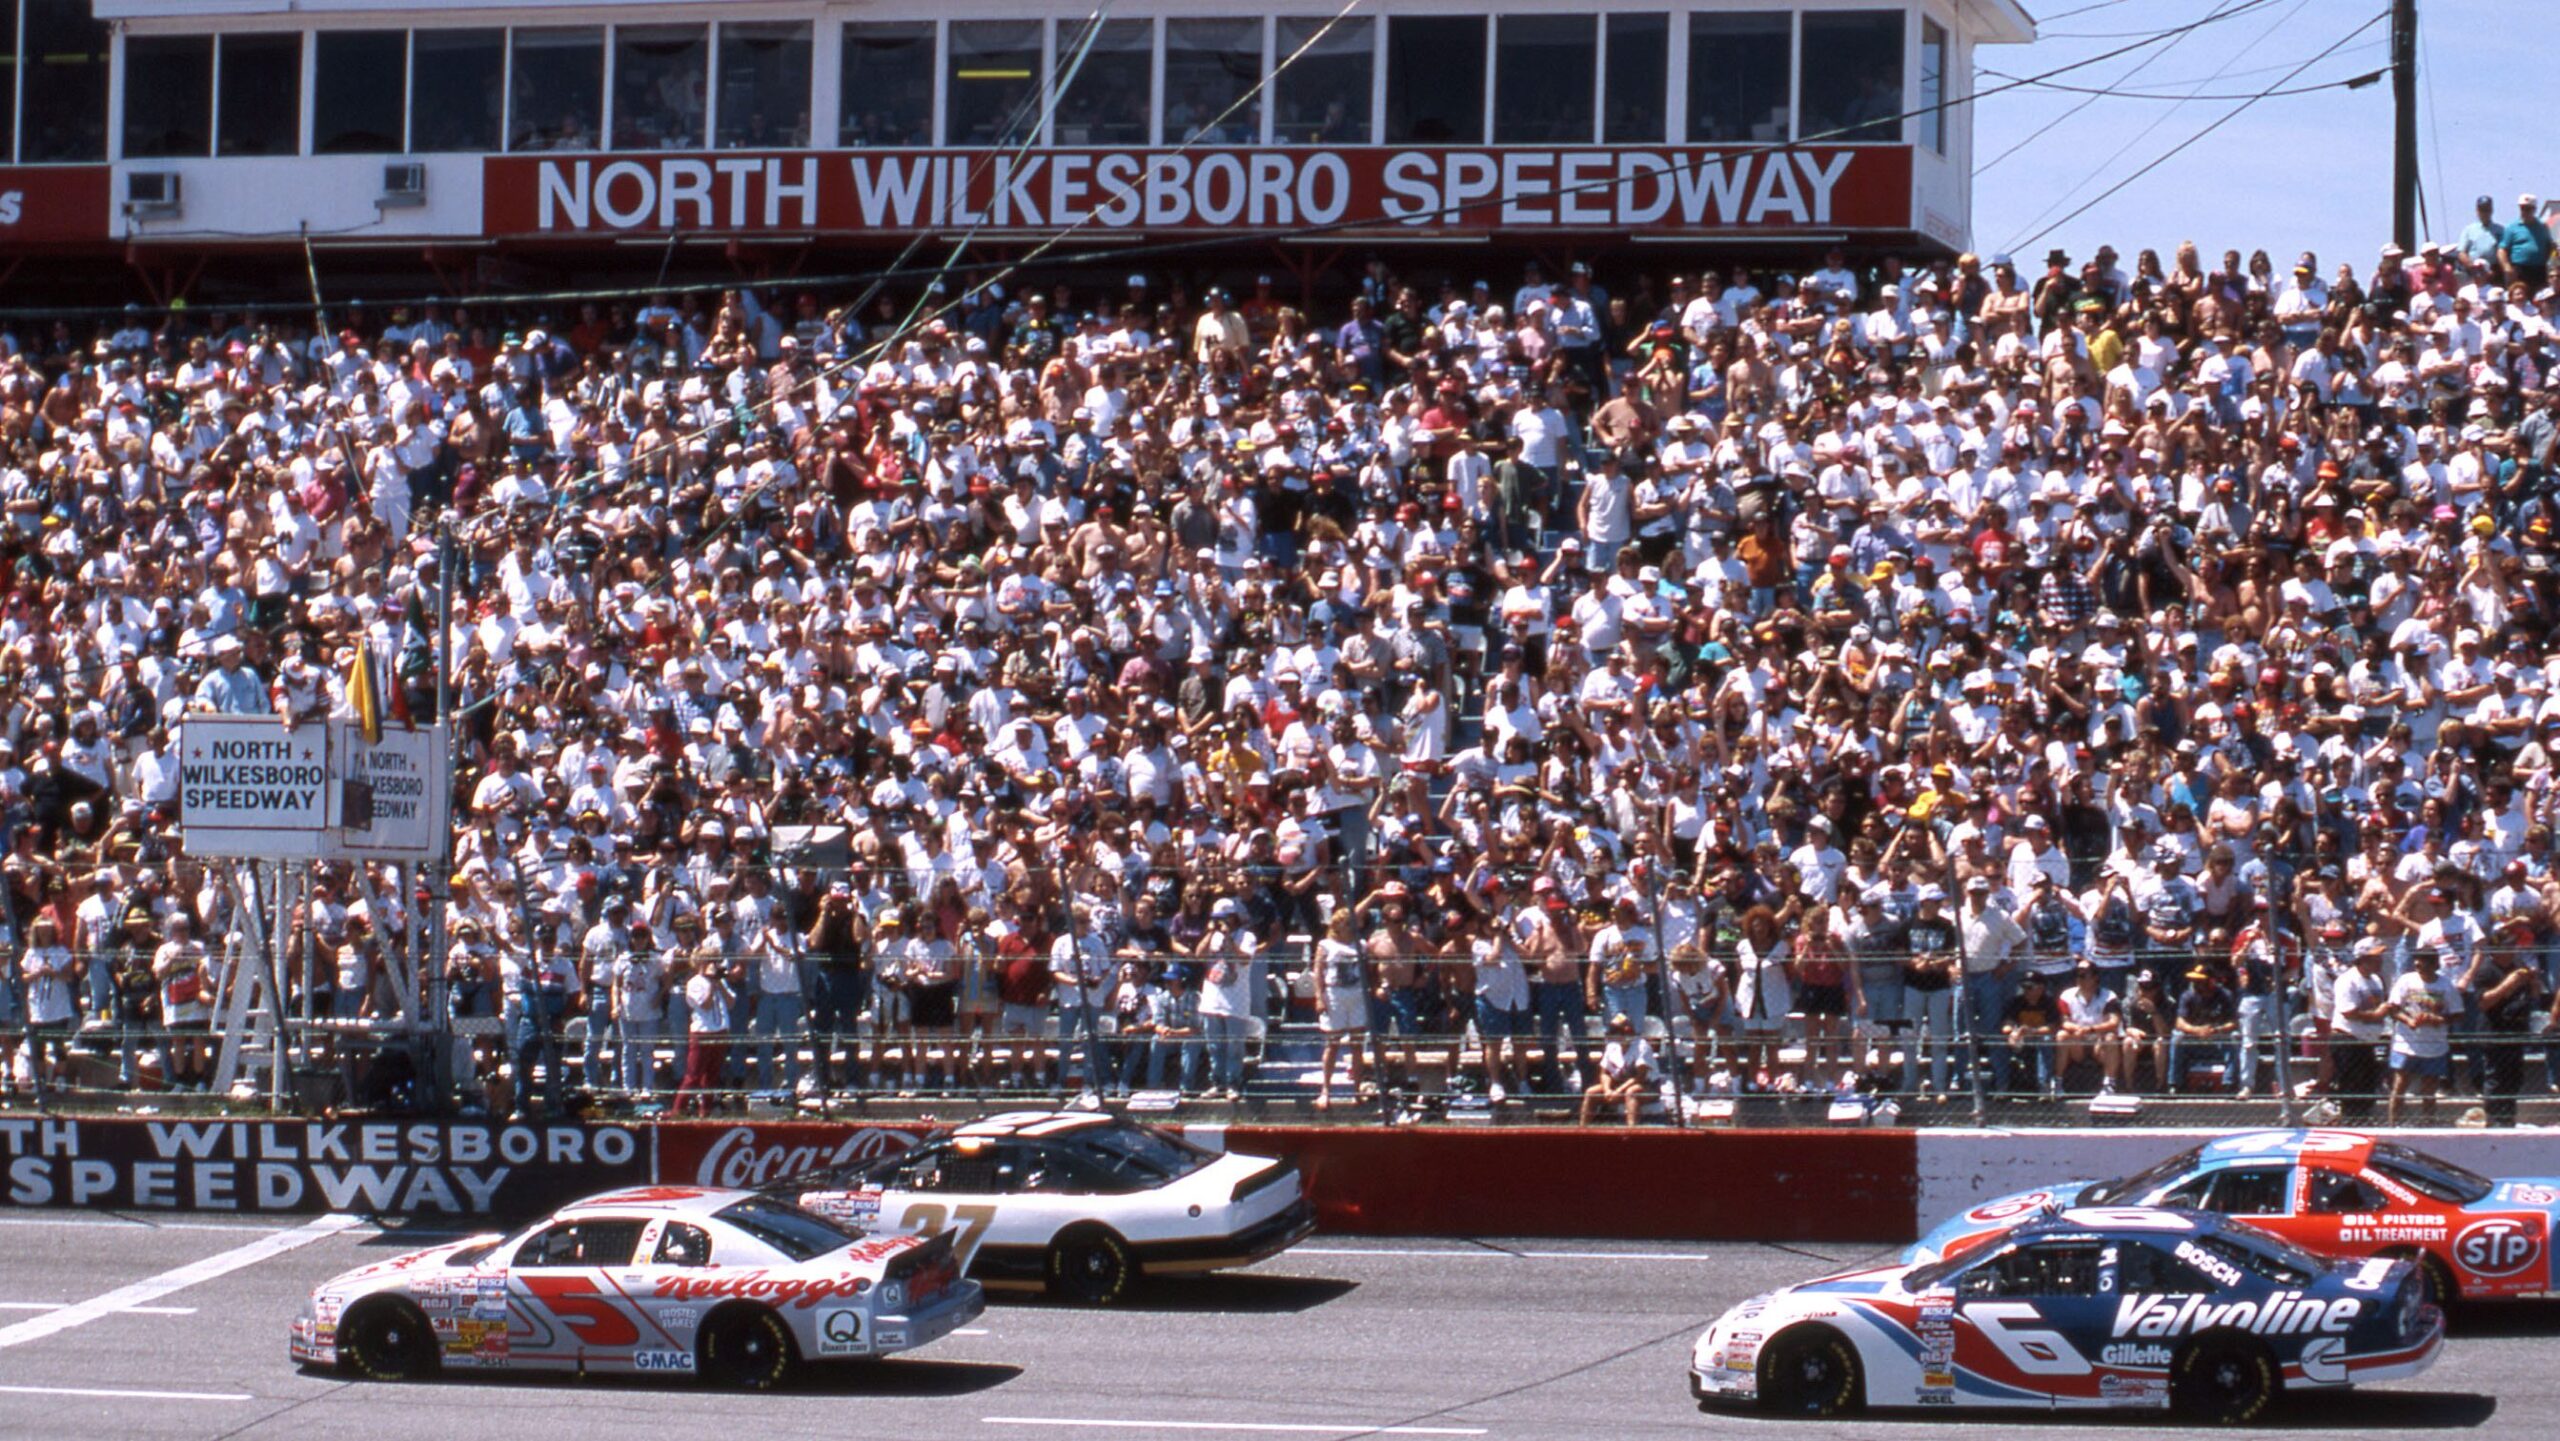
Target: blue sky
x=2292, y=172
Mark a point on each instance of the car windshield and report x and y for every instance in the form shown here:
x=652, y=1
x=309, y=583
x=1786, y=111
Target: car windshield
x=2140, y=1183
x=1138, y=1153
x=795, y=1233
x=1933, y=1273
x=2429, y=1176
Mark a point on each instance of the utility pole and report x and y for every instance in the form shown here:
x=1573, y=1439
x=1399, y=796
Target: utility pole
x=2404, y=124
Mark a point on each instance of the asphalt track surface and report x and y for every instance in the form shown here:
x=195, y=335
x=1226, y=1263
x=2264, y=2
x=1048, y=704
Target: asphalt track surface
x=174, y=1327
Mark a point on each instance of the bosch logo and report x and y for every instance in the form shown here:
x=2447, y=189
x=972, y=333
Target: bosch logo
x=2501, y=1246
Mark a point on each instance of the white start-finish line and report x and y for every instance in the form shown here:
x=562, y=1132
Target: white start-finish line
x=152, y=1288
x=1293, y=1428
x=123, y=1393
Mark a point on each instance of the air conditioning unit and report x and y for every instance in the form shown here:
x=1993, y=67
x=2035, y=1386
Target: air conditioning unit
x=151, y=192
x=404, y=183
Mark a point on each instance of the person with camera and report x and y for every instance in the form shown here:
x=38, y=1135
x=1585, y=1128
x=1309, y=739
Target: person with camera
x=2509, y=989
x=838, y=947
x=708, y=999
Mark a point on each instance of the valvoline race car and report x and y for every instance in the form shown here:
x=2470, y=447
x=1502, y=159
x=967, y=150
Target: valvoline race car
x=2102, y=1307
x=2339, y=1193
x=1075, y=1201
x=730, y=1285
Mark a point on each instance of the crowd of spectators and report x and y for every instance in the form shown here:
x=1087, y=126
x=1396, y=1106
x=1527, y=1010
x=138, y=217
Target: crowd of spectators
x=1917, y=677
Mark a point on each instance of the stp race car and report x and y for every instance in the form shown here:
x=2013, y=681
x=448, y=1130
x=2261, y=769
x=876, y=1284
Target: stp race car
x=730, y=1285
x=1079, y=1203
x=2096, y=1308
x=2339, y=1193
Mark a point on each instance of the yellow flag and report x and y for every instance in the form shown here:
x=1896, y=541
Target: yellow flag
x=365, y=694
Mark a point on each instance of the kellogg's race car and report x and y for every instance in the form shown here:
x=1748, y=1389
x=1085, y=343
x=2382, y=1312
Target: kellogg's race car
x=1074, y=1201
x=730, y=1285
x=2339, y=1193
x=2095, y=1308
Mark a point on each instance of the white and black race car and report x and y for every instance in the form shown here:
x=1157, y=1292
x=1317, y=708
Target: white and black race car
x=730, y=1285
x=1079, y=1203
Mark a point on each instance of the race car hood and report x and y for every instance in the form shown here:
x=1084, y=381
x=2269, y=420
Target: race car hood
x=408, y=1263
x=1991, y=1218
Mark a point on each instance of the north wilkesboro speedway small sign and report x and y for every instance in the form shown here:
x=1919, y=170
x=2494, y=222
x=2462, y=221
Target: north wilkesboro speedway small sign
x=422, y=1168
x=255, y=788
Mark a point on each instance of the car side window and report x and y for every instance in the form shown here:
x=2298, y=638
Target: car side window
x=2047, y=1268
x=592, y=1242
x=2143, y=1267
x=2189, y=1193
x=2252, y=1191
x=683, y=1245
x=919, y=1169
x=2336, y=1193
x=968, y=1167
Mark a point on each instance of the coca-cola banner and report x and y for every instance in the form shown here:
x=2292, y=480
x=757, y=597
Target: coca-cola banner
x=402, y=1168
x=1624, y=189
x=761, y=1154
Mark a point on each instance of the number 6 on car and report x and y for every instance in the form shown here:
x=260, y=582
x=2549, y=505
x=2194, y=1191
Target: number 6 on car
x=1081, y=1204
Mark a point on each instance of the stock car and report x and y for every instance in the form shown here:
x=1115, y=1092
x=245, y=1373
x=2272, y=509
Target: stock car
x=729, y=1285
x=1076, y=1202
x=2339, y=1193
x=2095, y=1308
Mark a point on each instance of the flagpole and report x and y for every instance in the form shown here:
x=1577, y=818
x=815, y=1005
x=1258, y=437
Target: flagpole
x=438, y=1001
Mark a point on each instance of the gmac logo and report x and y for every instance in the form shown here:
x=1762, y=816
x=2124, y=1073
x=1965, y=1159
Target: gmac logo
x=663, y=1360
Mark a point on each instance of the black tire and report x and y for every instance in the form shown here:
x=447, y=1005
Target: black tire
x=746, y=1348
x=1090, y=1266
x=1810, y=1371
x=2222, y=1380
x=2436, y=1285
x=387, y=1340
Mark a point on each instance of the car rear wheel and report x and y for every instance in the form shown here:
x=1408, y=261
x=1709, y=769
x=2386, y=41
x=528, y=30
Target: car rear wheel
x=746, y=1348
x=388, y=1340
x=1090, y=1266
x=2222, y=1380
x=1810, y=1371
x=2436, y=1285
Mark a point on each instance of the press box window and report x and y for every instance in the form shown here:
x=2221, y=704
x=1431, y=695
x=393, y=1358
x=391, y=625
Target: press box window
x=1638, y=81
x=888, y=84
x=764, y=84
x=457, y=90
x=9, y=59
x=62, y=83
x=556, y=93
x=1850, y=87
x=1323, y=97
x=261, y=95
x=168, y=96
x=1933, y=85
x=660, y=86
x=1543, y=72
x=1738, y=68
x=1211, y=68
x=1435, y=79
x=359, y=91
x=993, y=93
x=1107, y=97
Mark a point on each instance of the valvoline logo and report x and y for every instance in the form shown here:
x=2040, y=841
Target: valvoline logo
x=2499, y=1246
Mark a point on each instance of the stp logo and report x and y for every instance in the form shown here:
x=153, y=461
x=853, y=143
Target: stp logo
x=2500, y=1246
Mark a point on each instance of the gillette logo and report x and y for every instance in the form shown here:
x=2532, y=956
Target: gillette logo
x=2286, y=1313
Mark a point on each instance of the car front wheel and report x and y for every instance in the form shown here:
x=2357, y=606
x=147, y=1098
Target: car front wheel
x=387, y=1341
x=1090, y=1266
x=1809, y=1372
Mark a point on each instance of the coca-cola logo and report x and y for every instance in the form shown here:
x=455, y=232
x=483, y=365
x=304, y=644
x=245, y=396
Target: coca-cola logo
x=744, y=1158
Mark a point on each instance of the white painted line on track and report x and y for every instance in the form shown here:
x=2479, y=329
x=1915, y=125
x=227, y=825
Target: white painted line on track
x=122, y=1223
x=122, y=1393
x=129, y=1310
x=1295, y=1428
x=1495, y=1253
x=152, y=1288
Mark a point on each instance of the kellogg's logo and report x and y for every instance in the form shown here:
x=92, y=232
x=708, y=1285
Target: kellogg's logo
x=759, y=1285
x=744, y=1158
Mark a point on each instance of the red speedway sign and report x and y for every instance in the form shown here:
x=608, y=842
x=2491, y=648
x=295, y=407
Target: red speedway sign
x=1426, y=190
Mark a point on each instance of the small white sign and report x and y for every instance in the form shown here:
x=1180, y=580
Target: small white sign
x=410, y=785
x=248, y=786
